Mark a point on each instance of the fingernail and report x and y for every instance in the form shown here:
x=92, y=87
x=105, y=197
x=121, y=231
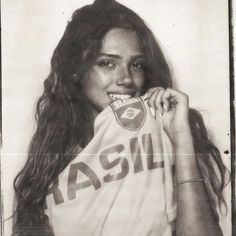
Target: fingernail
x=152, y=111
x=165, y=107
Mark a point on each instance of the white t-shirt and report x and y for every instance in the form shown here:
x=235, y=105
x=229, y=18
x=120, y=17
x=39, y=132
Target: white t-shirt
x=121, y=183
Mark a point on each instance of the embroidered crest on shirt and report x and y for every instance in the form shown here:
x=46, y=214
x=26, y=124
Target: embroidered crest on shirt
x=130, y=114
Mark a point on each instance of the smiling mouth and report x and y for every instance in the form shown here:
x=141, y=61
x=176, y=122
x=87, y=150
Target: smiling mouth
x=115, y=96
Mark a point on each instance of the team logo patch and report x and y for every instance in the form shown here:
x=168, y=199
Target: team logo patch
x=130, y=114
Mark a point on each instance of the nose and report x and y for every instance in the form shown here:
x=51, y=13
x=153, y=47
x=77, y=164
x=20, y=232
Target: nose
x=124, y=77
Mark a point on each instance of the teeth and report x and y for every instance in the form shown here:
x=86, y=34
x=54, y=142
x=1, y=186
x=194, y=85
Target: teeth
x=114, y=96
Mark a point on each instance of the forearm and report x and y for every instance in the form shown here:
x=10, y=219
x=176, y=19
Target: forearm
x=194, y=213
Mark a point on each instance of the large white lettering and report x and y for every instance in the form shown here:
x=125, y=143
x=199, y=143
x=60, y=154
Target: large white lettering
x=122, y=161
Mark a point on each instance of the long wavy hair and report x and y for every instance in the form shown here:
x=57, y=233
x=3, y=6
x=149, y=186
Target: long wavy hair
x=64, y=119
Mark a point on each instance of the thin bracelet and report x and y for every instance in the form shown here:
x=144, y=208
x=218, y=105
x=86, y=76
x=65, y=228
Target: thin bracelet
x=191, y=180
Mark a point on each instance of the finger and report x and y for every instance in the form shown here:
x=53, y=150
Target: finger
x=158, y=101
x=150, y=92
x=165, y=102
x=154, y=100
x=151, y=101
x=150, y=96
x=174, y=97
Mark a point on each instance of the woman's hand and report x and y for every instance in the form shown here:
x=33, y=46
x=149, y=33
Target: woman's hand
x=174, y=108
x=192, y=199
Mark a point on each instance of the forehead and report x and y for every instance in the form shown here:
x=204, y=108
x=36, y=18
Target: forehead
x=121, y=40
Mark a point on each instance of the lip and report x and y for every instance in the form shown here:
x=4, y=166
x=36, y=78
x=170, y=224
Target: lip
x=125, y=92
x=121, y=95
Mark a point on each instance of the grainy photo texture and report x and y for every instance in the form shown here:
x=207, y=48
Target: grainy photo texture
x=116, y=118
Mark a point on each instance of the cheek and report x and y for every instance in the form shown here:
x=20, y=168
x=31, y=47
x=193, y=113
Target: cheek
x=99, y=79
x=95, y=85
x=139, y=81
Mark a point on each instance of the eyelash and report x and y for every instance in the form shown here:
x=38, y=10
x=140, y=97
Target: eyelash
x=106, y=64
x=138, y=65
x=111, y=65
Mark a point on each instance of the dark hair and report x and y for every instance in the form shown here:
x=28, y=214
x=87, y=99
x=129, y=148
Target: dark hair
x=64, y=122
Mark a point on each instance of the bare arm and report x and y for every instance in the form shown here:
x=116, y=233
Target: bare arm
x=194, y=213
x=195, y=216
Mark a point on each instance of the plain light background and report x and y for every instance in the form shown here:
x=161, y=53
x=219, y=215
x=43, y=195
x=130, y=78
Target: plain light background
x=192, y=33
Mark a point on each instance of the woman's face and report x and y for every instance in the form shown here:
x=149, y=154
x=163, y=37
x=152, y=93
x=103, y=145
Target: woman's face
x=118, y=71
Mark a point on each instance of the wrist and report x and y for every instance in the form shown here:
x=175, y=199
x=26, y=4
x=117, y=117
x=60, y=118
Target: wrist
x=183, y=137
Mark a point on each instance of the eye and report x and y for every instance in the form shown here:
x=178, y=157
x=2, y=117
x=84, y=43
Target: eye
x=107, y=64
x=138, y=65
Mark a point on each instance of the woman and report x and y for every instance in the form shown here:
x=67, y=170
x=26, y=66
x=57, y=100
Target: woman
x=107, y=50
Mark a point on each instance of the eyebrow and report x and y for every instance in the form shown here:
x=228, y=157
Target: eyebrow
x=115, y=56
